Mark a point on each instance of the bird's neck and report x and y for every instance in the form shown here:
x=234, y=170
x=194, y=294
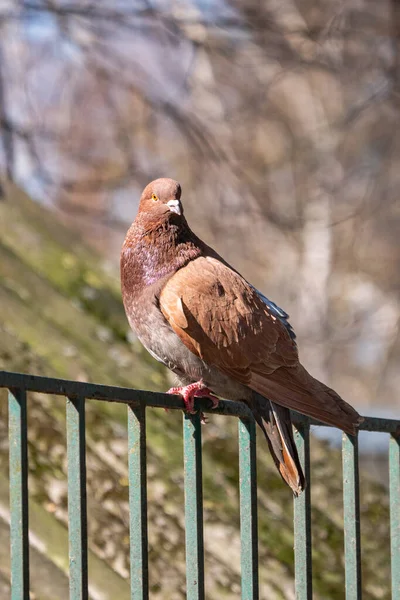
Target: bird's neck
x=150, y=254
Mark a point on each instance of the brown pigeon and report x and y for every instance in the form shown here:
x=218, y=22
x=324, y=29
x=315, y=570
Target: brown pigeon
x=215, y=331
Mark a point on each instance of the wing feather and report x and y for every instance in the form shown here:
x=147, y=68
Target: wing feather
x=234, y=329
x=220, y=317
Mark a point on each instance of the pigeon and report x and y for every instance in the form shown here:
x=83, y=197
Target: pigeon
x=216, y=332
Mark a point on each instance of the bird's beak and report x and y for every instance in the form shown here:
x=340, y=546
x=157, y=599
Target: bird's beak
x=175, y=206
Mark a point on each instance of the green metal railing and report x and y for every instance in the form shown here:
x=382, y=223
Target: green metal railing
x=77, y=393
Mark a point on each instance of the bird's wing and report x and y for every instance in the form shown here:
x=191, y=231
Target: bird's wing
x=278, y=312
x=222, y=319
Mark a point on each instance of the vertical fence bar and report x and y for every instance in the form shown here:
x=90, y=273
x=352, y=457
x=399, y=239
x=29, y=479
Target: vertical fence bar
x=394, y=490
x=351, y=501
x=248, y=508
x=193, y=507
x=138, y=502
x=302, y=519
x=19, y=533
x=77, y=511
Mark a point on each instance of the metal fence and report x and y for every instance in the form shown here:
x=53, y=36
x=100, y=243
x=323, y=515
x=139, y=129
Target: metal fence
x=77, y=393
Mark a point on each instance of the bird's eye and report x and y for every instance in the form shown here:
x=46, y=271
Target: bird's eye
x=154, y=197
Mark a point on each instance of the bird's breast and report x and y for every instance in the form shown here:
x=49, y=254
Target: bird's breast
x=157, y=336
x=164, y=345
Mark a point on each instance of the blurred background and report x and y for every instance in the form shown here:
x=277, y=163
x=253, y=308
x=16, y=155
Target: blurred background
x=280, y=120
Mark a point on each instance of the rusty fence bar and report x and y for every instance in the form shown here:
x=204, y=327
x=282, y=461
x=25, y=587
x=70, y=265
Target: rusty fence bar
x=77, y=393
x=351, y=503
x=248, y=508
x=394, y=487
x=18, y=494
x=77, y=512
x=193, y=507
x=302, y=519
x=138, y=502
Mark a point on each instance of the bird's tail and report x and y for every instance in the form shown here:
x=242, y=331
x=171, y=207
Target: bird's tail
x=276, y=423
x=295, y=388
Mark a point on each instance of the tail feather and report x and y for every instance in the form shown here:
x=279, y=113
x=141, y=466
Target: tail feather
x=295, y=388
x=275, y=421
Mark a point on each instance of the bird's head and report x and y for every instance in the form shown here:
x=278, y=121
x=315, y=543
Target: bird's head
x=161, y=200
x=159, y=240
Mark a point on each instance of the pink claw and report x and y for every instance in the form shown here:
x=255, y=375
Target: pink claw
x=192, y=391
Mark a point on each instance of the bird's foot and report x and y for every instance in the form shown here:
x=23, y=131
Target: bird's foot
x=192, y=391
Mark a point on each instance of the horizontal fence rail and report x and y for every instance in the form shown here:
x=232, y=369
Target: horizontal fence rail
x=77, y=393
